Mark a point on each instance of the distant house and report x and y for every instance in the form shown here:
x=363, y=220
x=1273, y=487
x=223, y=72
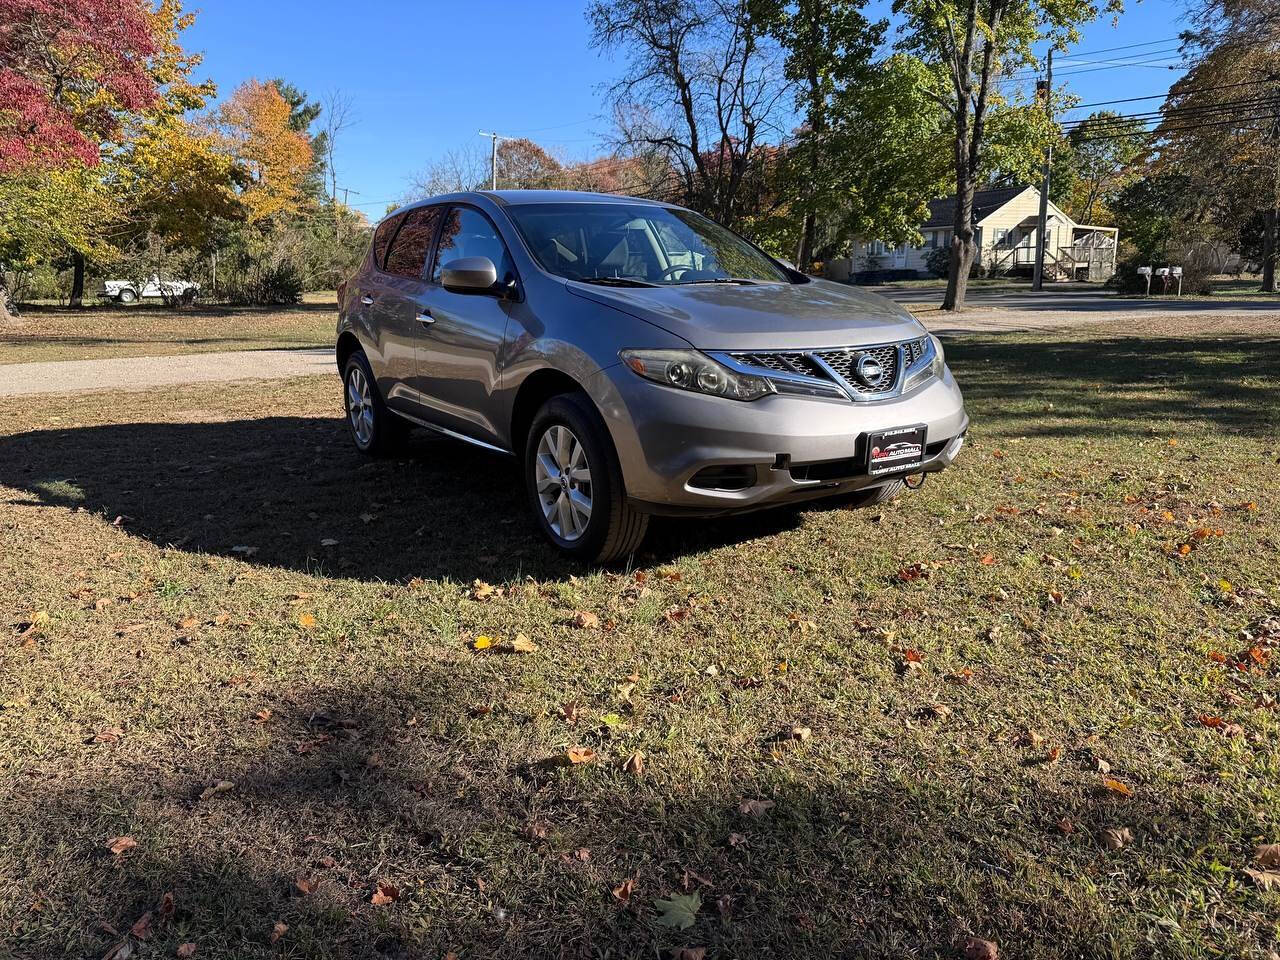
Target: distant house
x=1005, y=223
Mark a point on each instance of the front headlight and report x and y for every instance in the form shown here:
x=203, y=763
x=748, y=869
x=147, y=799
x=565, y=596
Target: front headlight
x=691, y=370
x=931, y=363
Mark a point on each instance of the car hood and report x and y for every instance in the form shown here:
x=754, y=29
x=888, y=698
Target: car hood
x=766, y=316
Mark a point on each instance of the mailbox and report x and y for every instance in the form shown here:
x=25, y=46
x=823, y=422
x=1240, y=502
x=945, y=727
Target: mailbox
x=1162, y=272
x=1144, y=271
x=1176, y=271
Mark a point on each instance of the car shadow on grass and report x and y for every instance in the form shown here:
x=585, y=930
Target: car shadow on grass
x=399, y=781
x=291, y=492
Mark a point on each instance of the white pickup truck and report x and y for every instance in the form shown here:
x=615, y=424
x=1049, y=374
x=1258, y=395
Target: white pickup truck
x=130, y=291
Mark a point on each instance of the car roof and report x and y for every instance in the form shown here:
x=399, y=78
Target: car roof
x=519, y=197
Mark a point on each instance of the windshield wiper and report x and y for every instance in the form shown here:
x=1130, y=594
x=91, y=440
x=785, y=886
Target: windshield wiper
x=617, y=282
x=742, y=281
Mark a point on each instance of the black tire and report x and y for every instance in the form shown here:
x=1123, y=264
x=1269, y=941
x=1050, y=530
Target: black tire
x=381, y=432
x=615, y=527
x=128, y=295
x=876, y=495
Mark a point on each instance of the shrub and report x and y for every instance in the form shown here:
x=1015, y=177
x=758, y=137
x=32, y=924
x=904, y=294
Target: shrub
x=938, y=262
x=273, y=286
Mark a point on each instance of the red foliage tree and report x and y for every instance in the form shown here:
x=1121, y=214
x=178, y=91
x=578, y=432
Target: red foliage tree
x=67, y=67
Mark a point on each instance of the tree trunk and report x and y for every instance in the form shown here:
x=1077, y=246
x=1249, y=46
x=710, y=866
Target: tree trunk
x=804, y=252
x=8, y=309
x=963, y=249
x=1270, y=222
x=77, y=279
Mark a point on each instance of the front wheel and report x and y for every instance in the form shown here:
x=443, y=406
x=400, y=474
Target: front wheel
x=575, y=483
x=128, y=296
x=875, y=495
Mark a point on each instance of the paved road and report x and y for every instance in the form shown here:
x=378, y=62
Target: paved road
x=141, y=373
x=1076, y=299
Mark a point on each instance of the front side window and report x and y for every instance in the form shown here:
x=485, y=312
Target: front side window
x=382, y=239
x=638, y=242
x=408, y=254
x=468, y=233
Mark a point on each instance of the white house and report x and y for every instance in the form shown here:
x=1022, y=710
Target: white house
x=1005, y=223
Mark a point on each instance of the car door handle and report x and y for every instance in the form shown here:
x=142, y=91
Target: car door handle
x=425, y=318
x=367, y=300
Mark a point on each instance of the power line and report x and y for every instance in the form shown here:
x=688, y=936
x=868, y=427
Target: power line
x=1225, y=107
x=1129, y=46
x=1163, y=96
x=1234, y=121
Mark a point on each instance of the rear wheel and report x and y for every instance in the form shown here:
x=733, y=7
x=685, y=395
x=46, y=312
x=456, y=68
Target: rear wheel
x=374, y=429
x=575, y=484
x=128, y=295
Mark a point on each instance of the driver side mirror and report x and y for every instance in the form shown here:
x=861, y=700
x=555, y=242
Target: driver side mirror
x=472, y=275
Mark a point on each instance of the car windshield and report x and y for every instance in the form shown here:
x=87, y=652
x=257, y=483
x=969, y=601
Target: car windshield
x=638, y=244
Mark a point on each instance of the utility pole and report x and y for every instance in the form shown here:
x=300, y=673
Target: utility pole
x=493, y=156
x=337, y=214
x=1037, y=279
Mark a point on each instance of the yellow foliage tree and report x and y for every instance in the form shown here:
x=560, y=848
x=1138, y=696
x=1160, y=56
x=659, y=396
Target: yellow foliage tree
x=273, y=158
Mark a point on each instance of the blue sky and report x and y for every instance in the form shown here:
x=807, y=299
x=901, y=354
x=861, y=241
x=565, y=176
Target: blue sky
x=424, y=76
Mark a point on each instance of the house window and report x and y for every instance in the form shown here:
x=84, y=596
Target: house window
x=933, y=239
x=1002, y=235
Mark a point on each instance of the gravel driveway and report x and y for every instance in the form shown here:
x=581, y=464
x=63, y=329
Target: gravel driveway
x=141, y=373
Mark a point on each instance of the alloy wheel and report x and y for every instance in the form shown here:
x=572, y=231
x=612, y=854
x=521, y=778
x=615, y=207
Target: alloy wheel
x=360, y=406
x=563, y=479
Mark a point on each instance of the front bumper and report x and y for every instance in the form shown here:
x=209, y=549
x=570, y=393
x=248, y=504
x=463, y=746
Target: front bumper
x=775, y=450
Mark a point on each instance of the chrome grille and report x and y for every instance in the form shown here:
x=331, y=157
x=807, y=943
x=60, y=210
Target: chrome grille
x=836, y=367
x=783, y=363
x=845, y=364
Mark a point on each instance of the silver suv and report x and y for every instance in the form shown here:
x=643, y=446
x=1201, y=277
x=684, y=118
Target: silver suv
x=638, y=359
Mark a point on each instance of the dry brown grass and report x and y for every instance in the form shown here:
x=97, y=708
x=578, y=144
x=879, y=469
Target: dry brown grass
x=1056, y=624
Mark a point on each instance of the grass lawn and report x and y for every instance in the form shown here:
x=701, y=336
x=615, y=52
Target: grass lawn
x=1034, y=702
x=151, y=330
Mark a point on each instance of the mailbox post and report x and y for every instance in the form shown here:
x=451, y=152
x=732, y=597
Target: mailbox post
x=1163, y=274
x=1146, y=273
x=1177, y=272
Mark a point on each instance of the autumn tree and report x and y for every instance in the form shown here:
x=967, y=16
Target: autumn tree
x=968, y=45
x=68, y=70
x=273, y=157
x=1221, y=127
x=1097, y=159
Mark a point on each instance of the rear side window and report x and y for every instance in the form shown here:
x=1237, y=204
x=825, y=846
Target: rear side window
x=408, y=254
x=382, y=239
x=468, y=233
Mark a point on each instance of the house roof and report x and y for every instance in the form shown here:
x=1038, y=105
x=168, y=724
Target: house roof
x=942, y=213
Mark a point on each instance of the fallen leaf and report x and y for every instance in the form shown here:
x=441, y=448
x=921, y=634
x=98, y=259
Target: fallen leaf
x=120, y=951
x=222, y=786
x=1117, y=837
x=119, y=845
x=1267, y=854
x=537, y=830
x=262, y=716
x=577, y=755
x=915, y=571
x=569, y=712
x=1265, y=879
x=307, y=621
x=522, y=644
x=306, y=885
x=328, y=542
x=680, y=910
x=988, y=560
x=278, y=931
x=186, y=951
x=1066, y=826
x=800, y=734
x=108, y=735
x=188, y=623
x=634, y=764
x=1115, y=786
x=586, y=620
x=737, y=840
x=482, y=642
x=755, y=808
x=689, y=953
x=142, y=927
x=481, y=590
x=623, y=890
x=384, y=893
x=975, y=948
